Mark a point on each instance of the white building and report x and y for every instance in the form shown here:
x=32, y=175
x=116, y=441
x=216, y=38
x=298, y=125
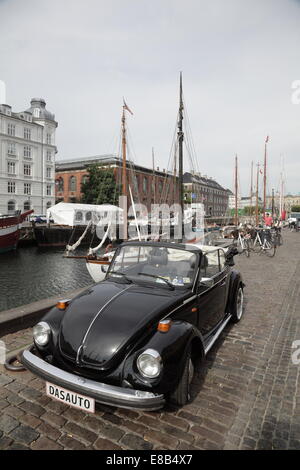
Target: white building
x=27, y=158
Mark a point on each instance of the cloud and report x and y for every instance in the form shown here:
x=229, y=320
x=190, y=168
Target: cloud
x=239, y=60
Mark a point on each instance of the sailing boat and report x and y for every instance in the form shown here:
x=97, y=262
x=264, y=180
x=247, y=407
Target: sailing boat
x=10, y=230
x=97, y=265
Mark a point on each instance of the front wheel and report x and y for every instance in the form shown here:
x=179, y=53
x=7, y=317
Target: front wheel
x=238, y=306
x=181, y=395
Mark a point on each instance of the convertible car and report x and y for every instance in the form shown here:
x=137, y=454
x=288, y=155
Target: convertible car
x=133, y=339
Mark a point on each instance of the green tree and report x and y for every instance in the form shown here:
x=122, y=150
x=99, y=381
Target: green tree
x=295, y=209
x=100, y=187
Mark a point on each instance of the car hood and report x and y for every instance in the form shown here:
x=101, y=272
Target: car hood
x=100, y=323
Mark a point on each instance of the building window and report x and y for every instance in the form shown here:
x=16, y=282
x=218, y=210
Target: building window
x=36, y=112
x=48, y=205
x=48, y=172
x=27, y=151
x=48, y=189
x=27, y=133
x=160, y=186
x=72, y=183
x=11, y=187
x=11, y=129
x=11, y=168
x=49, y=156
x=79, y=217
x=27, y=188
x=84, y=179
x=11, y=206
x=26, y=205
x=60, y=184
x=48, y=139
x=11, y=148
x=27, y=170
x=145, y=184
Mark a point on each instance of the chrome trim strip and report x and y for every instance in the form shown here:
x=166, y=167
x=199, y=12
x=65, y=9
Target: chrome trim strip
x=101, y=392
x=216, y=335
x=93, y=321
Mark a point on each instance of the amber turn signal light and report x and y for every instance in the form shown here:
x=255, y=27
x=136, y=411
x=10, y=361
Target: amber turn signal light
x=62, y=304
x=164, y=326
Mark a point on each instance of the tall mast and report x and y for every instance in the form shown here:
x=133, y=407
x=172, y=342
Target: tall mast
x=124, y=174
x=124, y=171
x=236, y=191
x=251, y=188
x=256, y=206
x=153, y=177
x=265, y=176
x=180, y=150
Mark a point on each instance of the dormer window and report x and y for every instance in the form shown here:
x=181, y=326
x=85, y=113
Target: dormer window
x=36, y=112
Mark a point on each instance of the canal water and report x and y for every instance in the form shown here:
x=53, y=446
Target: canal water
x=31, y=273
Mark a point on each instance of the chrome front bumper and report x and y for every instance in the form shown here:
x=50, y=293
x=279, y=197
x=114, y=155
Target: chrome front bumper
x=102, y=393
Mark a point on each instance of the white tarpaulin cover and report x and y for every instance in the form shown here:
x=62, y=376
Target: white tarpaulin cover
x=67, y=213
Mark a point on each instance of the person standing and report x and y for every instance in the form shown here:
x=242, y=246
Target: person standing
x=268, y=220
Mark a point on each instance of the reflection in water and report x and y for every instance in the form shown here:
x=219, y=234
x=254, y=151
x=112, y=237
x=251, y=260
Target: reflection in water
x=33, y=273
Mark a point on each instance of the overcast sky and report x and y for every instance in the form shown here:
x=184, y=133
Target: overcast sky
x=239, y=60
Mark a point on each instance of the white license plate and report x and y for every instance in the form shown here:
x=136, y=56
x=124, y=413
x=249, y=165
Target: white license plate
x=70, y=398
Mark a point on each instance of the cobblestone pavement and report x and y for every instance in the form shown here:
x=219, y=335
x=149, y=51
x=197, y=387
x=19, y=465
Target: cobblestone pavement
x=245, y=396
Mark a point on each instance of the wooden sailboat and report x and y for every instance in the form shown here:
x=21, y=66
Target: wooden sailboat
x=10, y=230
x=97, y=265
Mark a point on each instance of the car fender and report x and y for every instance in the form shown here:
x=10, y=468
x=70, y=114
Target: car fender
x=172, y=347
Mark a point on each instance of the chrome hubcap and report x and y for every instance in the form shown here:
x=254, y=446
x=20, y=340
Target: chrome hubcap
x=239, y=303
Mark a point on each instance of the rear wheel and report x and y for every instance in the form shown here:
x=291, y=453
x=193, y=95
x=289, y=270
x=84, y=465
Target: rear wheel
x=181, y=395
x=238, y=306
x=270, y=249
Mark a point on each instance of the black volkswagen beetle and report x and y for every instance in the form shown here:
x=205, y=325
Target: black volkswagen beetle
x=132, y=340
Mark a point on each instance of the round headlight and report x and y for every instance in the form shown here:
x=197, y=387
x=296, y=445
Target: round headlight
x=41, y=333
x=149, y=363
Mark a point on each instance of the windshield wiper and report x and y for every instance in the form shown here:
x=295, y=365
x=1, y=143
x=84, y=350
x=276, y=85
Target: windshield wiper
x=158, y=277
x=121, y=274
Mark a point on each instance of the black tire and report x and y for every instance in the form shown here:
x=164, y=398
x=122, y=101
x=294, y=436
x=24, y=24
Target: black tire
x=247, y=249
x=256, y=247
x=238, y=305
x=181, y=395
x=270, y=250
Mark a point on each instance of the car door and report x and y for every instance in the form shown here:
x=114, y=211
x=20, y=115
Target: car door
x=211, y=290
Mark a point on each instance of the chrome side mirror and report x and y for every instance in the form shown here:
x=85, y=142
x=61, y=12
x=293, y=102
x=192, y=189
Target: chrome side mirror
x=206, y=281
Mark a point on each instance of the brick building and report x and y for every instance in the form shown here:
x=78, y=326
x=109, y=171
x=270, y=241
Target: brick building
x=206, y=190
x=148, y=186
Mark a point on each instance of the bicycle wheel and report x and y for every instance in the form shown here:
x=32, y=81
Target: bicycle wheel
x=269, y=248
x=256, y=247
x=247, y=247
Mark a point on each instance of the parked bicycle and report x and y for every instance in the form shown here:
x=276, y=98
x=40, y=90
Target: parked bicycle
x=242, y=241
x=264, y=242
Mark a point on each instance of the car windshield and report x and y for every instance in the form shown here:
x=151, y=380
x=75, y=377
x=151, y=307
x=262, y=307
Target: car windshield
x=169, y=267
